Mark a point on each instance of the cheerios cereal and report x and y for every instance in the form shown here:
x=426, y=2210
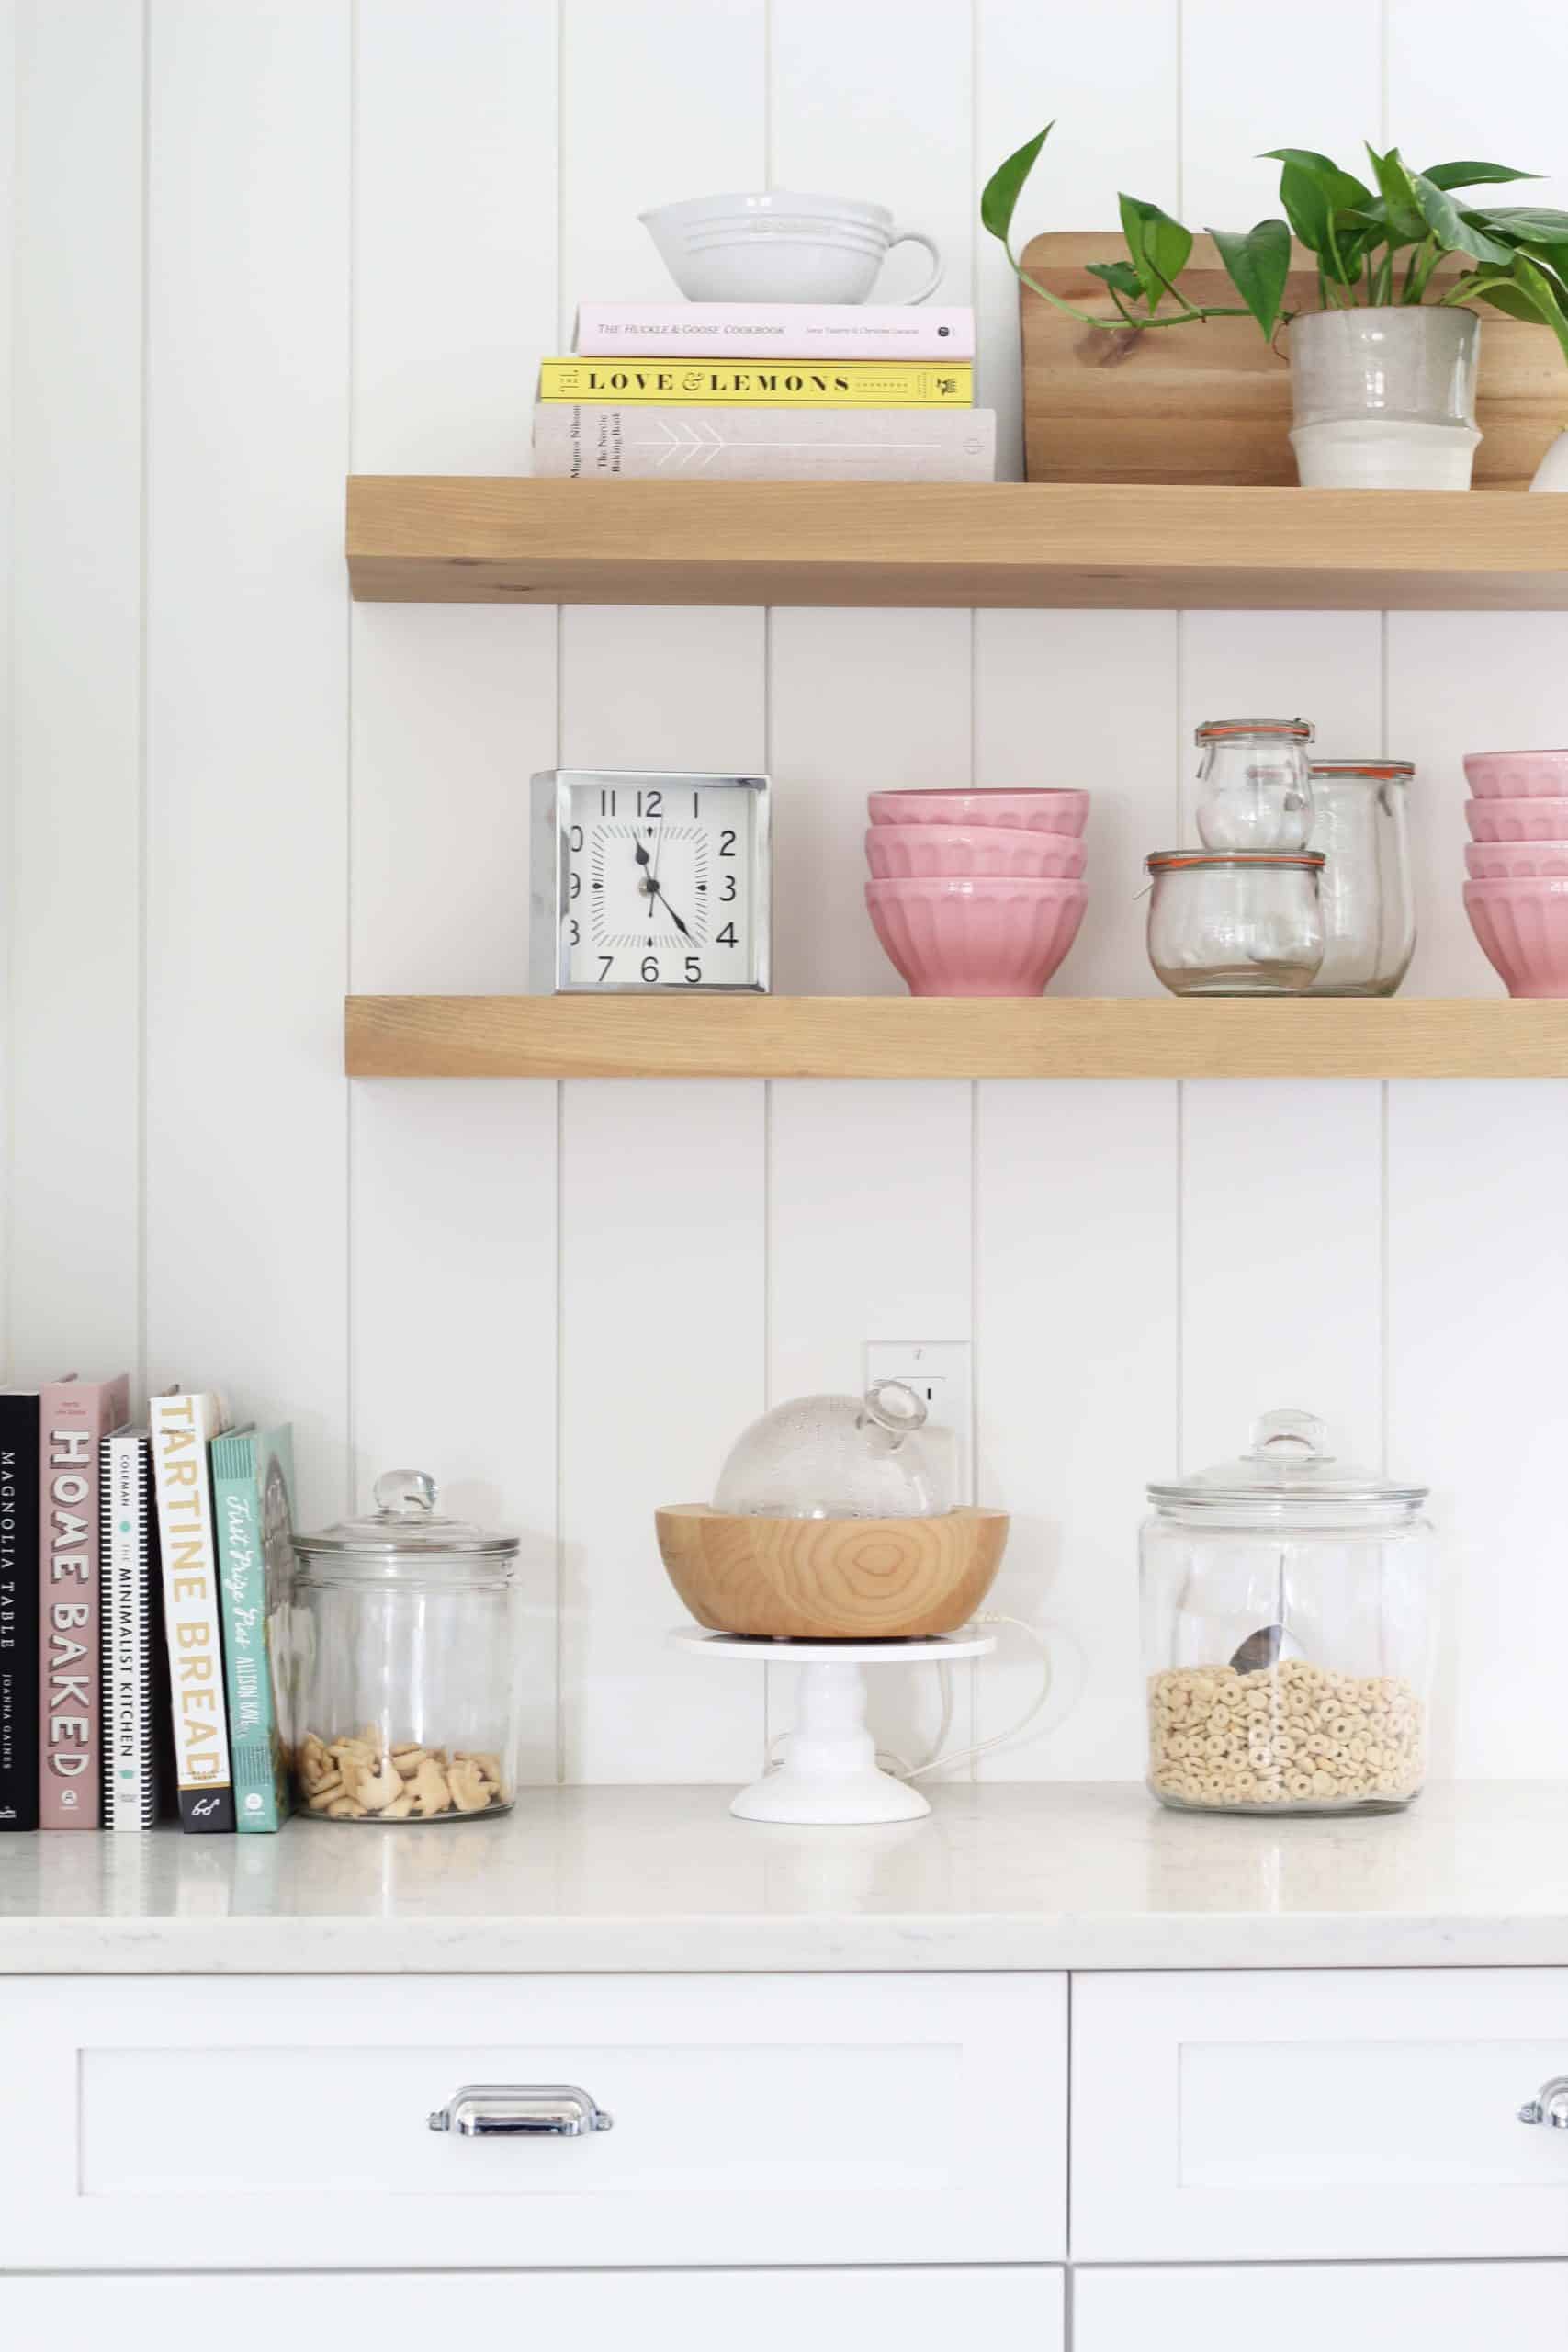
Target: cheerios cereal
x=1290, y=1736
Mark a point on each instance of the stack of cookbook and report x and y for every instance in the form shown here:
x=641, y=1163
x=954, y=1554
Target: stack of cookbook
x=146, y=1580
x=766, y=391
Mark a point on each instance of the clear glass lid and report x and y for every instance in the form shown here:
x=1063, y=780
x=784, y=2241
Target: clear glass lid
x=835, y=1457
x=1289, y=1468
x=406, y=1534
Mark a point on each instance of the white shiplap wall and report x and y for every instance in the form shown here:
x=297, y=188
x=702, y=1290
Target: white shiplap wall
x=258, y=245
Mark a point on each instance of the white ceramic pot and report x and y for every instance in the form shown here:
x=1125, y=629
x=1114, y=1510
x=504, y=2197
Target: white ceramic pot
x=1384, y=398
x=1552, y=471
x=780, y=247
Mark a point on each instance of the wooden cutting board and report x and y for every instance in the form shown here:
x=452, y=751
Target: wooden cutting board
x=1211, y=403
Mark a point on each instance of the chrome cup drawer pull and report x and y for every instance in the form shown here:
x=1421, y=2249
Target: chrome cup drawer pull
x=520, y=2111
x=1550, y=2104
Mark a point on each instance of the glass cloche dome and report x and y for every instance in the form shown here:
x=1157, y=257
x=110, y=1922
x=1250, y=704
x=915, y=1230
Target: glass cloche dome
x=836, y=1457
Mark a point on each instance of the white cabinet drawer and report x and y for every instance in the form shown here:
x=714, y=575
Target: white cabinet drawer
x=282, y=2122
x=1437, y=2307
x=697, y=2310
x=1259, y=2117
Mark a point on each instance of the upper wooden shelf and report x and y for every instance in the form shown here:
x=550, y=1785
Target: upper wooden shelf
x=422, y=539
x=836, y=1037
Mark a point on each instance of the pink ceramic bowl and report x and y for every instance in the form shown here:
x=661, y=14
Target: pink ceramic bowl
x=1517, y=775
x=990, y=935
x=894, y=852
x=1503, y=861
x=1518, y=821
x=1523, y=926
x=1030, y=812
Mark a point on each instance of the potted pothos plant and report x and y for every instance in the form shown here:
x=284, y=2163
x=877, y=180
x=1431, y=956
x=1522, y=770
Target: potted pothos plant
x=1383, y=371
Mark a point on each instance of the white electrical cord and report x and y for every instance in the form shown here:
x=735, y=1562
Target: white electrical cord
x=938, y=1760
x=938, y=1763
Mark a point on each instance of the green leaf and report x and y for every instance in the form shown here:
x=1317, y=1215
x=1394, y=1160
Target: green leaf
x=999, y=199
x=1526, y=224
x=1406, y=218
x=1342, y=190
x=1528, y=294
x=1454, y=231
x=1159, y=245
x=1472, y=174
x=1121, y=274
x=1257, y=265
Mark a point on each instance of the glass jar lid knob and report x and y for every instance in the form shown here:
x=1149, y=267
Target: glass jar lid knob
x=405, y=1494
x=1296, y=1438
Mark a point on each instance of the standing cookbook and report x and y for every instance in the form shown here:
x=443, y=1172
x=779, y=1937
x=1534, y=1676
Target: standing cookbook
x=183, y=1427
x=74, y=1418
x=253, y=1484
x=19, y=1609
x=133, y=1654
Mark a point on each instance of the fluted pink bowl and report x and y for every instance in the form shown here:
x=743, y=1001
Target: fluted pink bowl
x=1517, y=775
x=1504, y=861
x=1518, y=821
x=1522, y=925
x=894, y=852
x=1045, y=811
x=985, y=935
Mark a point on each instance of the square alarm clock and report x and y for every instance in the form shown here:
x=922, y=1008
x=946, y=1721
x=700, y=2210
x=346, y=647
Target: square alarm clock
x=649, y=879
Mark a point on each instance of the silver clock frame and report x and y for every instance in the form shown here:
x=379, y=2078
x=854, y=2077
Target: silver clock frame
x=549, y=953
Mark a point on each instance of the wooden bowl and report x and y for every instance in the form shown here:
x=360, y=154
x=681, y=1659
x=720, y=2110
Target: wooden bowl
x=831, y=1579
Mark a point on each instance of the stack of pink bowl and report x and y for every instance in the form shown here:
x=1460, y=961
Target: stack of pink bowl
x=976, y=893
x=1517, y=896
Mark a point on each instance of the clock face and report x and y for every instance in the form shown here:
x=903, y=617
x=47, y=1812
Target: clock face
x=660, y=884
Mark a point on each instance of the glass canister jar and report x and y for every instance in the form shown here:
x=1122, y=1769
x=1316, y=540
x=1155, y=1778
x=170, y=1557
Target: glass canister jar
x=404, y=1660
x=1234, y=923
x=1359, y=823
x=1254, y=787
x=1286, y=1613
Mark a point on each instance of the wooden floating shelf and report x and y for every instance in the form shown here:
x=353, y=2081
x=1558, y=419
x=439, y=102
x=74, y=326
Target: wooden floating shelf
x=833, y=1036
x=473, y=540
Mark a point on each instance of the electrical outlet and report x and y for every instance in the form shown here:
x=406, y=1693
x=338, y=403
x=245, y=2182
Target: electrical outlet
x=940, y=1371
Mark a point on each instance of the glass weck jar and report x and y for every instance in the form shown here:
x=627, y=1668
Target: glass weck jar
x=1286, y=1613
x=1368, y=910
x=1254, y=784
x=405, y=1662
x=1235, y=921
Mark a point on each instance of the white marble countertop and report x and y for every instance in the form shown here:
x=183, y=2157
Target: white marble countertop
x=1004, y=1876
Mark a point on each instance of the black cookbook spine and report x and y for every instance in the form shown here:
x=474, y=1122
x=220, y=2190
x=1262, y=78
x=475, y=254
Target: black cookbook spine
x=20, y=1604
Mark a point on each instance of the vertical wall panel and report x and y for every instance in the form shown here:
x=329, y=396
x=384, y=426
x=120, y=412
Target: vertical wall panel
x=247, y=714
x=662, y=1260
x=76, y=685
x=1506, y=103
x=663, y=1241
x=1249, y=83
x=8, y=1027
x=1283, y=1184
x=453, y=1227
x=1111, y=89
x=1076, y=1318
x=1458, y=682
x=866, y=101
x=1089, y=699
x=1478, y=1294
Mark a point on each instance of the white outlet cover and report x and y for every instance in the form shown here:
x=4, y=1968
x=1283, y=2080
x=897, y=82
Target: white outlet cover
x=942, y=1372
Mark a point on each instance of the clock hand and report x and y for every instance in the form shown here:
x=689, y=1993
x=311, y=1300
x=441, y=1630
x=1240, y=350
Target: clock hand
x=659, y=893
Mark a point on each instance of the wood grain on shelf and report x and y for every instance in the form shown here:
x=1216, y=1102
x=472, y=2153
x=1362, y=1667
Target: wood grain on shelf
x=826, y=1036
x=1212, y=403
x=461, y=539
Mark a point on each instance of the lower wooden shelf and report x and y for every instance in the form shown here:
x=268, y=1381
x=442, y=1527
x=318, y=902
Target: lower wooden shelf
x=836, y=1037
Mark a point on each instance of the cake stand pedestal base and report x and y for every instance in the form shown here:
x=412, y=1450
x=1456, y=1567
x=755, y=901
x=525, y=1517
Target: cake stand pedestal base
x=829, y=1772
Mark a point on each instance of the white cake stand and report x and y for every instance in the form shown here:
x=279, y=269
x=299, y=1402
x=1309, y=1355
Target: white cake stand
x=830, y=1771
